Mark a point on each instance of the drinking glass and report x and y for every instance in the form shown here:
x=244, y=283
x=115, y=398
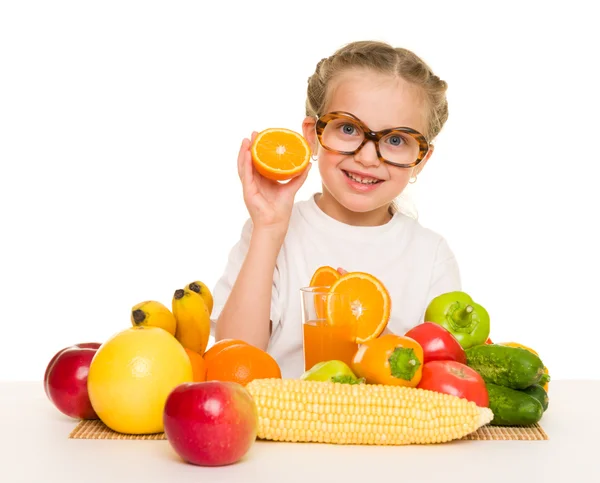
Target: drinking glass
x=326, y=338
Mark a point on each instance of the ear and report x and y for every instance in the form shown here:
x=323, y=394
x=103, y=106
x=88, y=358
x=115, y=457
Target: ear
x=308, y=130
x=422, y=164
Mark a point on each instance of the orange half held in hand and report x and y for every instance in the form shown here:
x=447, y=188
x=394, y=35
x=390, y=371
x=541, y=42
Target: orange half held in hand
x=364, y=301
x=280, y=154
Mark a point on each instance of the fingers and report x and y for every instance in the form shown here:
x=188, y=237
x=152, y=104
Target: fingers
x=247, y=168
x=341, y=271
x=242, y=156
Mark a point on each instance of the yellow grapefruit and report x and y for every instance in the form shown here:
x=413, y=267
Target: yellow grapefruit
x=131, y=376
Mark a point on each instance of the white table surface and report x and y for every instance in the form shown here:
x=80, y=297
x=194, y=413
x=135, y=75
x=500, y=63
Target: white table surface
x=36, y=448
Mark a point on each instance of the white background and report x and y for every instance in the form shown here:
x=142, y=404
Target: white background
x=120, y=124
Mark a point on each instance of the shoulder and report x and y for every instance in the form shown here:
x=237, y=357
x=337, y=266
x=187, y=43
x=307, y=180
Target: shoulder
x=419, y=236
x=408, y=227
x=418, y=229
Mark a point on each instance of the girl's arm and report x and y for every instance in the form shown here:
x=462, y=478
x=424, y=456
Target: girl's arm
x=246, y=313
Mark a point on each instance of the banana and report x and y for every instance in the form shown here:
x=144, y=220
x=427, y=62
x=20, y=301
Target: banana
x=193, y=319
x=203, y=290
x=153, y=313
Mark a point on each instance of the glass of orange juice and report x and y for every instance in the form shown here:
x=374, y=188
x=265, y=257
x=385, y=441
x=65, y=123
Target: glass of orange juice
x=323, y=338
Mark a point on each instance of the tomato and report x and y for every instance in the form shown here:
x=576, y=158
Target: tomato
x=455, y=378
x=437, y=342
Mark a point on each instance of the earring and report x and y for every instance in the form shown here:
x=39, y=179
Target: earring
x=313, y=156
x=412, y=179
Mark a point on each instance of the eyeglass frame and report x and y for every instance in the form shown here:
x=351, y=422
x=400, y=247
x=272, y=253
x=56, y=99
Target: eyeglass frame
x=374, y=136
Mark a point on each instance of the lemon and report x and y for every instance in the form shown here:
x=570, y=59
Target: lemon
x=131, y=376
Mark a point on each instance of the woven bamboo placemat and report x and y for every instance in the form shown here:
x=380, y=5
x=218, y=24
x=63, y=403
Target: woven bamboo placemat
x=96, y=429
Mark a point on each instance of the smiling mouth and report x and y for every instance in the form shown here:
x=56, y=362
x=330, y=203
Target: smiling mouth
x=362, y=179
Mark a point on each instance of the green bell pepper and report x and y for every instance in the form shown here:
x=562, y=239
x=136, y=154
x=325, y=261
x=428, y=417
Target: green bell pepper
x=464, y=319
x=333, y=371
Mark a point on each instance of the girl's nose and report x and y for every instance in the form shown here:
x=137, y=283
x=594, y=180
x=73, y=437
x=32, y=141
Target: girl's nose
x=367, y=156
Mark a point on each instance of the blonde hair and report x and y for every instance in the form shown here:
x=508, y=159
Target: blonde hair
x=385, y=59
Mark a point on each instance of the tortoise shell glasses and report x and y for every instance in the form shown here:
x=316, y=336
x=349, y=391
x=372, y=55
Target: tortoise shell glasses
x=407, y=149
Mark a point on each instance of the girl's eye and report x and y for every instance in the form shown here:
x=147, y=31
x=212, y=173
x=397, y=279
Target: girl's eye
x=348, y=129
x=395, y=140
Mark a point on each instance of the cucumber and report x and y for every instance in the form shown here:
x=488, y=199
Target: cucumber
x=511, y=367
x=544, y=379
x=539, y=393
x=512, y=407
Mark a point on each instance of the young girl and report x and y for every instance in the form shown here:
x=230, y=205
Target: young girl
x=372, y=112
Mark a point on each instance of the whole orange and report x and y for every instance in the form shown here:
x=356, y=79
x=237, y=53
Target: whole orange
x=242, y=363
x=198, y=365
x=219, y=346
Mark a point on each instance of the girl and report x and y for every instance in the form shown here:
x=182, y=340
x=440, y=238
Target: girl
x=372, y=112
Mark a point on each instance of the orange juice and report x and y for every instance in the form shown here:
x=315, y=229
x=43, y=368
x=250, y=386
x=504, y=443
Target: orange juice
x=323, y=342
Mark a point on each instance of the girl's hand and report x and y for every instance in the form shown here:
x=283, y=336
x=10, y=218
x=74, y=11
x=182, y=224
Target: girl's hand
x=269, y=202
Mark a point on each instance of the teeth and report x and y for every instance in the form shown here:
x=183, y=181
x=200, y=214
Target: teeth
x=360, y=179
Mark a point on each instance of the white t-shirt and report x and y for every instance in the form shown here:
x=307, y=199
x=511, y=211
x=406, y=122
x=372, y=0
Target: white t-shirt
x=414, y=263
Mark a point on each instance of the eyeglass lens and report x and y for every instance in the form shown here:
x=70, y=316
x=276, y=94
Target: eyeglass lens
x=344, y=134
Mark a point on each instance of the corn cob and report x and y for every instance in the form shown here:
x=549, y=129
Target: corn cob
x=327, y=412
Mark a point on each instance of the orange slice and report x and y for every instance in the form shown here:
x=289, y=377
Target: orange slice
x=363, y=302
x=280, y=154
x=324, y=276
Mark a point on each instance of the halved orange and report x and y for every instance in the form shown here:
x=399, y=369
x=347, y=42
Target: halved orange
x=364, y=301
x=324, y=276
x=280, y=154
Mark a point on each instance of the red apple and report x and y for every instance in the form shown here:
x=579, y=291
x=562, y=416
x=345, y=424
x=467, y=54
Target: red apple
x=438, y=343
x=212, y=423
x=83, y=345
x=67, y=382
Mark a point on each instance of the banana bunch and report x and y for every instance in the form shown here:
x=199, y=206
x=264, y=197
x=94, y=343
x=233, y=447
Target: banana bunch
x=192, y=307
x=189, y=320
x=153, y=313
